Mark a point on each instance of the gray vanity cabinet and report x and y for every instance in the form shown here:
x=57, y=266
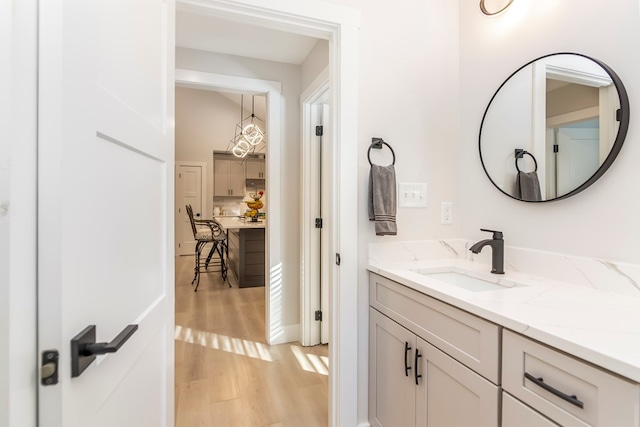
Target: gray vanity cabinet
x=414, y=383
x=540, y=380
x=392, y=395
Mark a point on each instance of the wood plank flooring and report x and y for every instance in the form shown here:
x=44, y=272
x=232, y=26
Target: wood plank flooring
x=226, y=374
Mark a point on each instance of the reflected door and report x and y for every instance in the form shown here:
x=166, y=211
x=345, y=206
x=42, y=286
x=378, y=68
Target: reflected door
x=577, y=157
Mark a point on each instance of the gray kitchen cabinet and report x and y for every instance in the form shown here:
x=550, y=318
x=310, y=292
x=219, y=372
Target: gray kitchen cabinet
x=255, y=169
x=246, y=256
x=228, y=177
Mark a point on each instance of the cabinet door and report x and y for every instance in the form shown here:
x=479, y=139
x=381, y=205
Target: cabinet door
x=452, y=395
x=221, y=178
x=392, y=392
x=517, y=414
x=236, y=178
x=255, y=169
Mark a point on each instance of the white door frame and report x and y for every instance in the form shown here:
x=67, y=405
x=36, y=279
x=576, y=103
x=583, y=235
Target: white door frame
x=271, y=89
x=18, y=212
x=339, y=25
x=203, y=197
x=310, y=256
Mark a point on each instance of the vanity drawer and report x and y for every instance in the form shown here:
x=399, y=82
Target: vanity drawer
x=472, y=341
x=565, y=389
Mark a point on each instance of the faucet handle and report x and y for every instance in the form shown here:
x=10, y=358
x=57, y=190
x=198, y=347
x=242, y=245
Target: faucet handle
x=497, y=235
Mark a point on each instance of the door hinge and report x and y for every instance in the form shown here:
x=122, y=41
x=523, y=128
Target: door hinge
x=319, y=130
x=49, y=367
x=179, y=175
x=179, y=245
x=337, y=259
x=318, y=222
x=319, y=315
x=556, y=148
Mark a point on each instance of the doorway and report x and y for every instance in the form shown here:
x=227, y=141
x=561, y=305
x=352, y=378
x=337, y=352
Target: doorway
x=316, y=201
x=338, y=24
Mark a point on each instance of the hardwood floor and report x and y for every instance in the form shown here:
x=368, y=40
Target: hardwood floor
x=226, y=374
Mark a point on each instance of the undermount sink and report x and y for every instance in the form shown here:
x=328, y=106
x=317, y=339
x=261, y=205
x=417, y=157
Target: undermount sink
x=468, y=281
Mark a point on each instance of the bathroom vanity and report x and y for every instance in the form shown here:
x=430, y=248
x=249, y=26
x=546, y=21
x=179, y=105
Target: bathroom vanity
x=519, y=351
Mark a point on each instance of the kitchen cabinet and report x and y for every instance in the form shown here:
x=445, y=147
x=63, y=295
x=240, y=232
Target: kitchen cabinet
x=563, y=388
x=246, y=256
x=414, y=383
x=255, y=169
x=228, y=177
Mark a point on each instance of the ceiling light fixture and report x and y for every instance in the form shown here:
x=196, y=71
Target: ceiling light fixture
x=247, y=138
x=493, y=7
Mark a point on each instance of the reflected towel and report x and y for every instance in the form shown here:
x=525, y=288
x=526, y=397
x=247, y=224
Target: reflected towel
x=528, y=186
x=382, y=199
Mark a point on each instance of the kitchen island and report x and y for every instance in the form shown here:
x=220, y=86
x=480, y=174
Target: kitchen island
x=245, y=251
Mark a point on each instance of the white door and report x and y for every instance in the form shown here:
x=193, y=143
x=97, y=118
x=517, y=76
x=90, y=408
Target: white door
x=188, y=192
x=105, y=207
x=578, y=157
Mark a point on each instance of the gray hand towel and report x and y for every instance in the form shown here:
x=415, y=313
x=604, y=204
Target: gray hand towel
x=382, y=199
x=528, y=186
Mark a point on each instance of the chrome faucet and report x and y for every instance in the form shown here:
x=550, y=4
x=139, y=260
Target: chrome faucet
x=497, y=247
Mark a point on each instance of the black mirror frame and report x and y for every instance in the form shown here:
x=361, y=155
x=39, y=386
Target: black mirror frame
x=624, y=115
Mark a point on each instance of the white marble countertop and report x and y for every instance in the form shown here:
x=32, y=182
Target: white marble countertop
x=598, y=326
x=235, y=222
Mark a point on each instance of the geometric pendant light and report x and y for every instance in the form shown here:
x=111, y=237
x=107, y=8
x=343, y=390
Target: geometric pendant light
x=248, y=136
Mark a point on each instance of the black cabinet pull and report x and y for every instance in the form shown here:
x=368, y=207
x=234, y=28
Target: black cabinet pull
x=417, y=375
x=406, y=363
x=573, y=399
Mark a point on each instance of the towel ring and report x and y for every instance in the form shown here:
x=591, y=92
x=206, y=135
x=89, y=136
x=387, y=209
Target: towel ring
x=377, y=144
x=520, y=154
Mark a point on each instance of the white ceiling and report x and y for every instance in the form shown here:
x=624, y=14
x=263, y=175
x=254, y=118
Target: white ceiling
x=214, y=34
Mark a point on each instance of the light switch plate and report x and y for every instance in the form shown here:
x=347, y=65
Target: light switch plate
x=412, y=195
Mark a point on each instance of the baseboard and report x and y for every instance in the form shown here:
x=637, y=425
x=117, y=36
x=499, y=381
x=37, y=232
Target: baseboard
x=364, y=425
x=285, y=333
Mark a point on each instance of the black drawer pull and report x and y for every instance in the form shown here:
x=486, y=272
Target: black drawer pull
x=406, y=364
x=415, y=365
x=573, y=399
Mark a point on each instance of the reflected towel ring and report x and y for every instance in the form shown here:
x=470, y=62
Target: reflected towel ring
x=377, y=144
x=520, y=154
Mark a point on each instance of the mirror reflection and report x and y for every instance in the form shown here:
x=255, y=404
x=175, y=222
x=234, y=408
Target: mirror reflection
x=553, y=127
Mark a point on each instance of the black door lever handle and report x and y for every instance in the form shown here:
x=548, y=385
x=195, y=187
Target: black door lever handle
x=84, y=347
x=111, y=347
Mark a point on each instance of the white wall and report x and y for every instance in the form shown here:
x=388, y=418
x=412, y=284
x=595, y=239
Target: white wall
x=205, y=121
x=408, y=95
x=289, y=76
x=316, y=61
x=599, y=222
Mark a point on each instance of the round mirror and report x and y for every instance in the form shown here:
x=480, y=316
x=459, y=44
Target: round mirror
x=553, y=127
